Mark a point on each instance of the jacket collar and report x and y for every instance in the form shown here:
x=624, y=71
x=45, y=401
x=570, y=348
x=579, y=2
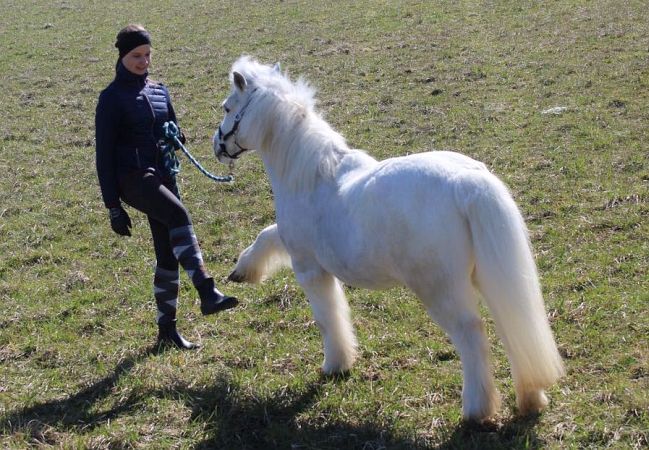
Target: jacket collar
x=123, y=75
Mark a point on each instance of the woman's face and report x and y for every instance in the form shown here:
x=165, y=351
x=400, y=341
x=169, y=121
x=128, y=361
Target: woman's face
x=137, y=60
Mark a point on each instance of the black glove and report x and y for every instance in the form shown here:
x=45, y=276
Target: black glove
x=120, y=222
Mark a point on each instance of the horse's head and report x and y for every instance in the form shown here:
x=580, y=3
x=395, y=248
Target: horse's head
x=235, y=135
x=268, y=112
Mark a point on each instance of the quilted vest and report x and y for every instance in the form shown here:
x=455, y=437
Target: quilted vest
x=130, y=115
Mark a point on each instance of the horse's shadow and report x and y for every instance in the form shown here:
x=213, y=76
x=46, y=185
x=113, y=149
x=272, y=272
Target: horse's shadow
x=234, y=419
x=277, y=422
x=516, y=433
x=266, y=424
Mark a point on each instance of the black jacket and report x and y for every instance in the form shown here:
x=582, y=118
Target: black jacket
x=128, y=126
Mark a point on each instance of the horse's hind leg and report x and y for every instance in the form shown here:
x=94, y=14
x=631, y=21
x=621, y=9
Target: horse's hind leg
x=331, y=313
x=261, y=259
x=455, y=309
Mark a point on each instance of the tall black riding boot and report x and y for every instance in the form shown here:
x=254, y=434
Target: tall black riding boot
x=168, y=335
x=212, y=300
x=188, y=253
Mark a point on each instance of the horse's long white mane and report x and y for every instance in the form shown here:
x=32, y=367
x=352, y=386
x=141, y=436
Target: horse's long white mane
x=290, y=130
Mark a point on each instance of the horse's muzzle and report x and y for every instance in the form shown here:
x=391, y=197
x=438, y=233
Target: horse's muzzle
x=218, y=145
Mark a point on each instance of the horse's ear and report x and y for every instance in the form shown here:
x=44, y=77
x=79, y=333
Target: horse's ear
x=239, y=81
x=276, y=68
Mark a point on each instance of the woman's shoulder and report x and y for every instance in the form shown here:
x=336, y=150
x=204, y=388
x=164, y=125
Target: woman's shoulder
x=108, y=97
x=108, y=91
x=155, y=84
x=158, y=86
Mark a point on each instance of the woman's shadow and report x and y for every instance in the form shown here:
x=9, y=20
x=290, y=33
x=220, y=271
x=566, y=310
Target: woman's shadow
x=76, y=411
x=234, y=419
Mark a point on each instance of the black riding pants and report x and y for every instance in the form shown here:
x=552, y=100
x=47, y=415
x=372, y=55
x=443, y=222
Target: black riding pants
x=160, y=200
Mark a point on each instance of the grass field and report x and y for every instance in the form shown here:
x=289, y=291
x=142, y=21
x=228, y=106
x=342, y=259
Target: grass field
x=78, y=364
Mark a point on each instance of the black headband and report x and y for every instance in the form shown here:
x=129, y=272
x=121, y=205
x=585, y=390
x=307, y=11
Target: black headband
x=128, y=41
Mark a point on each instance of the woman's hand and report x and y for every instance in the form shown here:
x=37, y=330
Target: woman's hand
x=120, y=222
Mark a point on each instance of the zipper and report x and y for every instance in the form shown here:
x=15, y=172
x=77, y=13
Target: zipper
x=152, y=113
x=152, y=124
x=137, y=156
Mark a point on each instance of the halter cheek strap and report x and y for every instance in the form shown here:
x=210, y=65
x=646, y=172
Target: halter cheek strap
x=235, y=127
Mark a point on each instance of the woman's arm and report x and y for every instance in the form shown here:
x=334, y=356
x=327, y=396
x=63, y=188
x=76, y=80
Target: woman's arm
x=106, y=126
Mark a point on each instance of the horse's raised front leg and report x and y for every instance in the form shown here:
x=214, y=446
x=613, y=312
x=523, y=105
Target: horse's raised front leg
x=332, y=315
x=262, y=259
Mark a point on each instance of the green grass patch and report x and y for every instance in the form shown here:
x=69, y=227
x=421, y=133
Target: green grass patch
x=79, y=369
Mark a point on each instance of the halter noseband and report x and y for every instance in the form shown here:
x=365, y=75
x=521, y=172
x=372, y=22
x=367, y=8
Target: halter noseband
x=235, y=127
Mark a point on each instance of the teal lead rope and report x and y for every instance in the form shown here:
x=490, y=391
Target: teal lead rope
x=171, y=163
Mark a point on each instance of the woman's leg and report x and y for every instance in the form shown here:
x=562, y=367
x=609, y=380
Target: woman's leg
x=147, y=193
x=166, y=284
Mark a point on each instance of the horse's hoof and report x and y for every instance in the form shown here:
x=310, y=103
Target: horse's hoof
x=486, y=424
x=335, y=376
x=235, y=277
x=531, y=403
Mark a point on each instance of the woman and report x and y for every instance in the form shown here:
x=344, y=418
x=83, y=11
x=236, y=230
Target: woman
x=132, y=168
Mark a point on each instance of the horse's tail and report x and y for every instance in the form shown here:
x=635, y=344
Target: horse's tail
x=506, y=275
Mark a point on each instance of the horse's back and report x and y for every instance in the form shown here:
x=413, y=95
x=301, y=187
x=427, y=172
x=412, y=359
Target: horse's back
x=406, y=184
x=441, y=165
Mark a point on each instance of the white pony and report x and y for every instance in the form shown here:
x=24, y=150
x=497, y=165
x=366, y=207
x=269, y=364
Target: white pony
x=439, y=223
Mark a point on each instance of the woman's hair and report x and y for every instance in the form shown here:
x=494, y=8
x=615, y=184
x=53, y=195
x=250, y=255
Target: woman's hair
x=130, y=28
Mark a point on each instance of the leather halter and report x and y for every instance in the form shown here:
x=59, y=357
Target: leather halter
x=235, y=127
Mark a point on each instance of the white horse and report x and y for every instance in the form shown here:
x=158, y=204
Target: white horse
x=439, y=223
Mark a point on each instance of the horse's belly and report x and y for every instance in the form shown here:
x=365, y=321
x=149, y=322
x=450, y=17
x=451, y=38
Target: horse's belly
x=363, y=266
x=393, y=246
x=364, y=279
